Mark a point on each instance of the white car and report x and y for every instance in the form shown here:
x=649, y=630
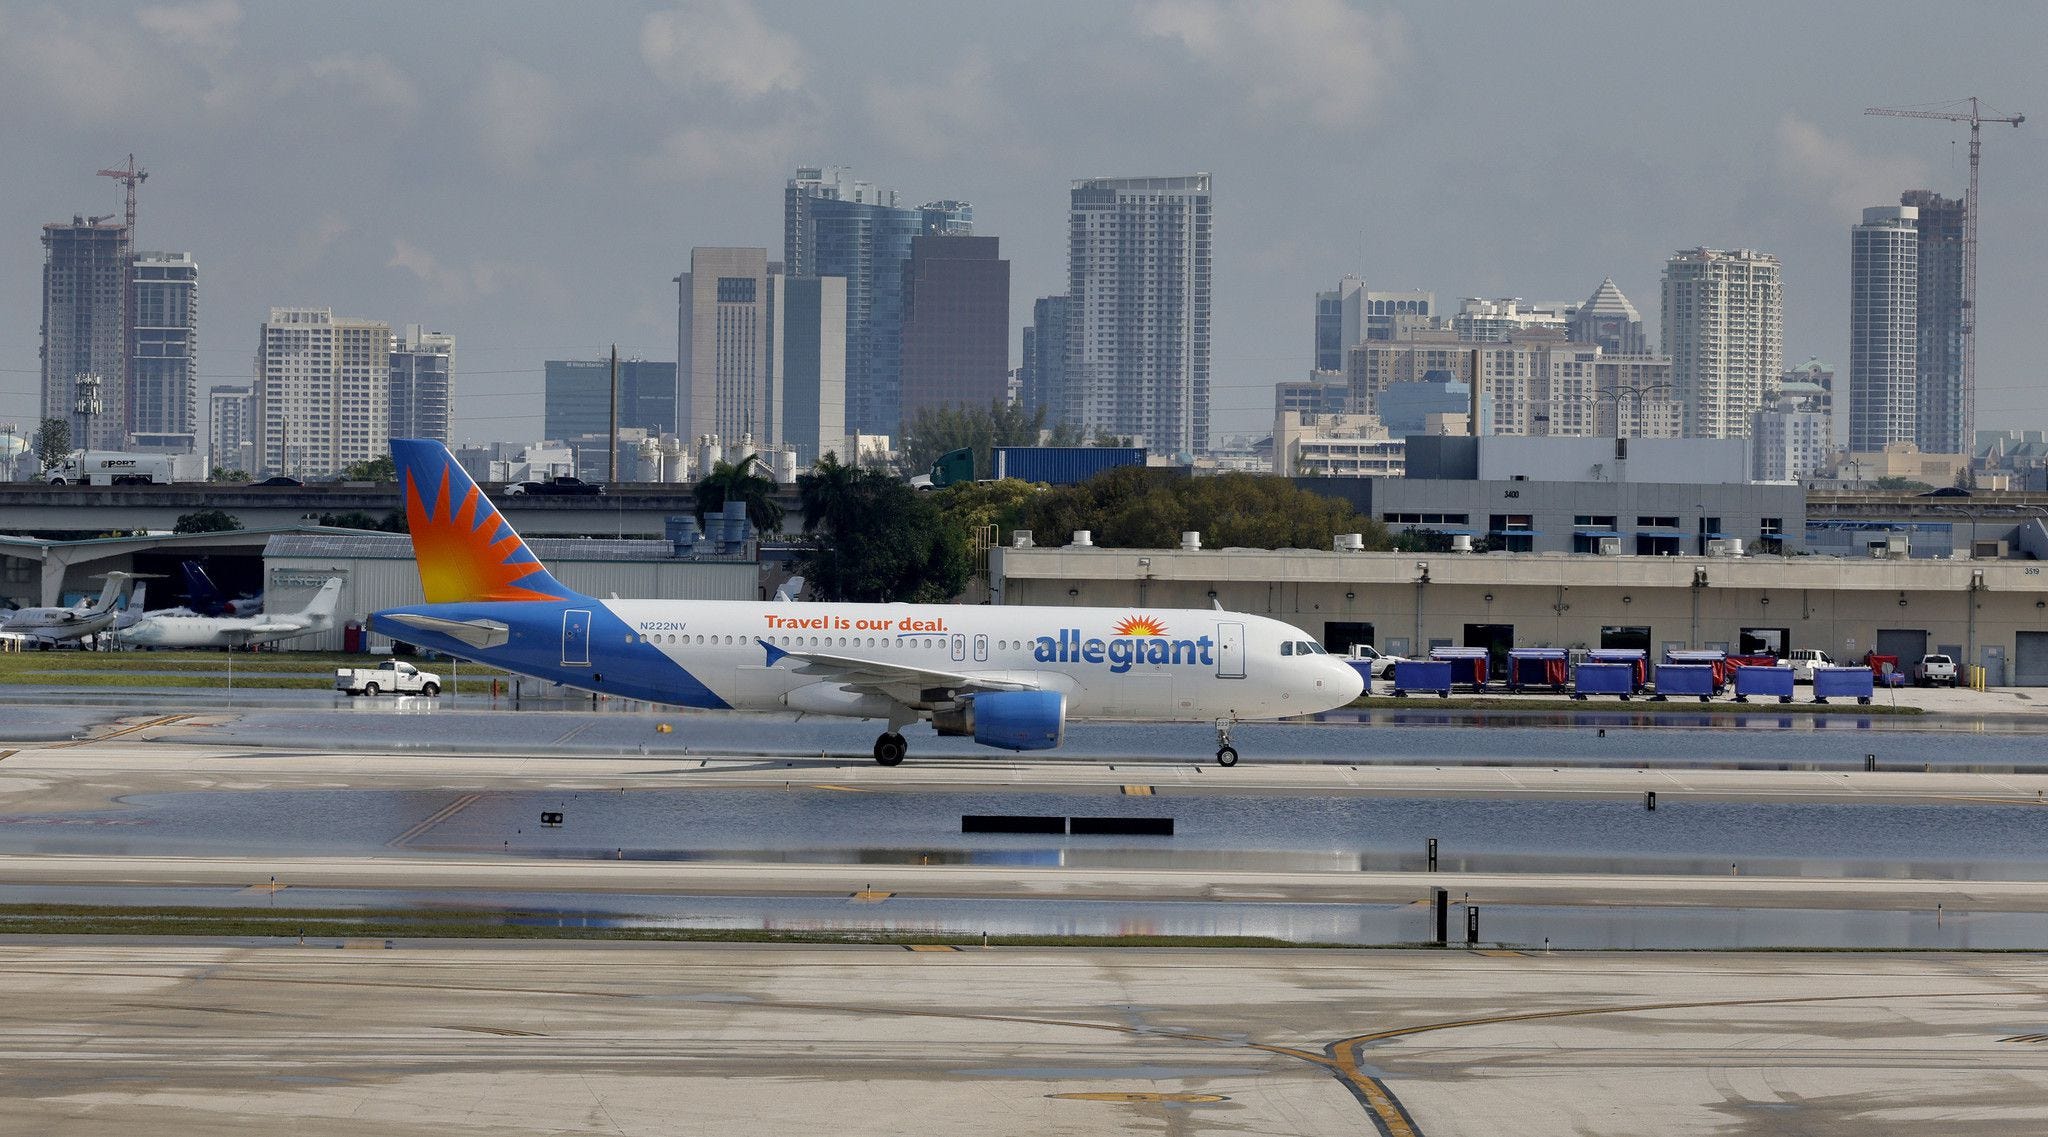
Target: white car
x=1382, y=665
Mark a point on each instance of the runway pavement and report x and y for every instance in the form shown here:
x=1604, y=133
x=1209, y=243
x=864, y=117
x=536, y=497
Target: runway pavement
x=189, y=1039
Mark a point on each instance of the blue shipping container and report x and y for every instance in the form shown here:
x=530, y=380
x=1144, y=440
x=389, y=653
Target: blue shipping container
x=1063, y=465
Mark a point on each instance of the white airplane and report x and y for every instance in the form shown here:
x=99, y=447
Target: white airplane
x=47, y=627
x=162, y=629
x=1005, y=676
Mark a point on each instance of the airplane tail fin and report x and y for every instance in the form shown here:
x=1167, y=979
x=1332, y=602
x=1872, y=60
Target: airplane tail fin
x=200, y=594
x=324, y=602
x=117, y=583
x=465, y=548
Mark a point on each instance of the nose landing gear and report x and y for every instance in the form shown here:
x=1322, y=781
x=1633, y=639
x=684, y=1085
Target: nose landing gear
x=1226, y=754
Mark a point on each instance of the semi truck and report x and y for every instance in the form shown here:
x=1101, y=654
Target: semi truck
x=107, y=468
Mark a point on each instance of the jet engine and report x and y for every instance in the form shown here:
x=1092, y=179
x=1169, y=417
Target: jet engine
x=1012, y=720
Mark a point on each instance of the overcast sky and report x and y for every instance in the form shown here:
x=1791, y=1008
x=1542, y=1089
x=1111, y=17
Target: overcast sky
x=529, y=177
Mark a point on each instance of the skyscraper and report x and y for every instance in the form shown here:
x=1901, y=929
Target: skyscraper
x=231, y=426
x=1138, y=283
x=722, y=352
x=1340, y=322
x=1609, y=320
x=835, y=226
x=1884, y=290
x=422, y=384
x=577, y=397
x=807, y=371
x=322, y=392
x=956, y=324
x=85, y=275
x=1724, y=329
x=1946, y=416
x=1044, y=382
x=163, y=367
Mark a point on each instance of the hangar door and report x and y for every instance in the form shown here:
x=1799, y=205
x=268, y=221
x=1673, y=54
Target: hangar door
x=1909, y=644
x=2030, y=660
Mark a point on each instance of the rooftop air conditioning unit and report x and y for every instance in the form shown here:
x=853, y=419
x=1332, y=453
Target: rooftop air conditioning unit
x=1610, y=547
x=1461, y=542
x=1020, y=539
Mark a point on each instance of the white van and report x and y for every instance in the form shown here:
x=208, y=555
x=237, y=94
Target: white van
x=1802, y=661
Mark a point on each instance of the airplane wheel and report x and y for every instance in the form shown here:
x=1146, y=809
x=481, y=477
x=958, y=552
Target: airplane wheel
x=370, y=689
x=1227, y=756
x=431, y=690
x=890, y=748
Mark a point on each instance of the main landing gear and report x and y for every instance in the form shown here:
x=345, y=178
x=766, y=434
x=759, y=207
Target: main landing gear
x=890, y=748
x=1226, y=754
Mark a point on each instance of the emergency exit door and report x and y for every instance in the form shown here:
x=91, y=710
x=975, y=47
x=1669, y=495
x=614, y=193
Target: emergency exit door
x=576, y=637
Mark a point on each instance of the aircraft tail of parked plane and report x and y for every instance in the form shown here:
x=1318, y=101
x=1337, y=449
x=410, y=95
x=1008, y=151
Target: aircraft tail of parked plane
x=205, y=598
x=1005, y=676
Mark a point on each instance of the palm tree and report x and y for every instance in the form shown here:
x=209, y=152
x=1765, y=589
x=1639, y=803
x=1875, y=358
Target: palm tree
x=826, y=493
x=738, y=481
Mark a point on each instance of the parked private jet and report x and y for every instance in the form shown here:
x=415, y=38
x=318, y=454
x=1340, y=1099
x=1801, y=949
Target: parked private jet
x=167, y=629
x=1008, y=677
x=47, y=627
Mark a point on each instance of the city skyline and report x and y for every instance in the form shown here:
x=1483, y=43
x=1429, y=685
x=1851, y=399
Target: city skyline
x=1324, y=126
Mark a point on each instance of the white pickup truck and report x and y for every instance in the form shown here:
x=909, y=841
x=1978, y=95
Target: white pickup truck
x=394, y=676
x=1933, y=670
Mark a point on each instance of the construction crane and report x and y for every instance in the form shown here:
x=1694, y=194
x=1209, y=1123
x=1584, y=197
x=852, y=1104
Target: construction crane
x=1976, y=118
x=130, y=177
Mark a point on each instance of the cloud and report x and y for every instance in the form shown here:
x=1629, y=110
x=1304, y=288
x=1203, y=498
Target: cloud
x=310, y=244
x=958, y=112
x=701, y=153
x=516, y=113
x=373, y=80
x=85, y=71
x=1326, y=58
x=459, y=284
x=721, y=45
x=1834, y=173
x=205, y=28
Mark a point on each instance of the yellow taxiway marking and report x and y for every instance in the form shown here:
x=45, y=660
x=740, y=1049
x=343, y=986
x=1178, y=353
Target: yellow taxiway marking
x=1502, y=954
x=844, y=789
x=160, y=720
x=367, y=944
x=1138, y=1097
x=2026, y=1038
x=929, y=947
x=871, y=896
x=1138, y=791
x=264, y=889
x=6, y=754
x=438, y=816
x=504, y=1031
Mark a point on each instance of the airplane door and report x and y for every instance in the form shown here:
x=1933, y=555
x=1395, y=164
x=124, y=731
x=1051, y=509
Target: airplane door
x=980, y=649
x=959, y=647
x=1230, y=651
x=576, y=637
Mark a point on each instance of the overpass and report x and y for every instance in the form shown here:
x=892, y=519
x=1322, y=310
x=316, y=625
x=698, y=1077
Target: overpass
x=625, y=510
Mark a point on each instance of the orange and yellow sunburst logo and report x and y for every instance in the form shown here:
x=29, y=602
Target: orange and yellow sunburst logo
x=466, y=551
x=1140, y=626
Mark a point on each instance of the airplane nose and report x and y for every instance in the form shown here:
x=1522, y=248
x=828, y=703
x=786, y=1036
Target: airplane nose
x=1347, y=684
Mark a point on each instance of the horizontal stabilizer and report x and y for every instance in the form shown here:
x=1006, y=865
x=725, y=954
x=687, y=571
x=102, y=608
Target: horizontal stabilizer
x=475, y=633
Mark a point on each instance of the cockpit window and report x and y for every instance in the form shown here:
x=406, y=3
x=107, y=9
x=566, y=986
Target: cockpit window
x=1287, y=648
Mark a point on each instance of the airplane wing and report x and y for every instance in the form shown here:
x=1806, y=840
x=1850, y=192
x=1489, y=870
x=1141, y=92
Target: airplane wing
x=906, y=684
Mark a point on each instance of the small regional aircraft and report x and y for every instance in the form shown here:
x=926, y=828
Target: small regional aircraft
x=165, y=629
x=47, y=627
x=1009, y=677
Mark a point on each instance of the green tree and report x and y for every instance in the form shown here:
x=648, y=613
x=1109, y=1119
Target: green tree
x=1893, y=483
x=738, y=481
x=970, y=506
x=382, y=468
x=1140, y=508
x=936, y=430
x=1066, y=434
x=871, y=538
x=206, y=521
x=52, y=442
x=222, y=474
x=1422, y=541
